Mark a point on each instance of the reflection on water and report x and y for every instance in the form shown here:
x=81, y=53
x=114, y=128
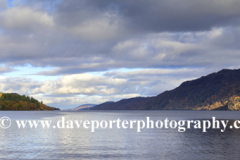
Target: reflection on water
x=119, y=143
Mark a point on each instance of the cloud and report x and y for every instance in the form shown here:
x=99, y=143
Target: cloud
x=88, y=36
x=215, y=48
x=143, y=82
x=24, y=19
x=17, y=85
x=4, y=69
x=85, y=84
x=99, y=28
x=154, y=15
x=3, y=4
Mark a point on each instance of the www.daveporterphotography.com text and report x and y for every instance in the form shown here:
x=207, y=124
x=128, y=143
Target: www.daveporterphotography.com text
x=138, y=125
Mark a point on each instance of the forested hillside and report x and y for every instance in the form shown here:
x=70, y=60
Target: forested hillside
x=13, y=101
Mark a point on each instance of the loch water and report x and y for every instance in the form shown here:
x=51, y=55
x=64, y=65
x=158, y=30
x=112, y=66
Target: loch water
x=115, y=143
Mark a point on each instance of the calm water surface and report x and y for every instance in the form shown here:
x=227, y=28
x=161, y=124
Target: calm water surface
x=115, y=143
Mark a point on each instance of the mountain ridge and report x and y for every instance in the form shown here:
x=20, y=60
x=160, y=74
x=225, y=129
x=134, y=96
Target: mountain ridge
x=215, y=91
x=84, y=107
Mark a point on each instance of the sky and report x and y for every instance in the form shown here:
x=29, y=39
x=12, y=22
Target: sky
x=72, y=52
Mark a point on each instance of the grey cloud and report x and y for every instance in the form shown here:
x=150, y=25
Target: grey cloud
x=88, y=36
x=72, y=70
x=155, y=15
x=4, y=69
x=3, y=4
x=208, y=49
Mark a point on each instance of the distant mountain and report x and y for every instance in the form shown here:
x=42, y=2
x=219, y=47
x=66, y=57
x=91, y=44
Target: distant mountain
x=84, y=107
x=216, y=91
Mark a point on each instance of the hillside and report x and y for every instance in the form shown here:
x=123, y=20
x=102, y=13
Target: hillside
x=215, y=91
x=84, y=107
x=14, y=101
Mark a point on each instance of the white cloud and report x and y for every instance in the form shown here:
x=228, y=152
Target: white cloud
x=17, y=85
x=86, y=84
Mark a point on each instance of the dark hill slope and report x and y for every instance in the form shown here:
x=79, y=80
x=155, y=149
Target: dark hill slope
x=84, y=107
x=132, y=103
x=214, y=91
